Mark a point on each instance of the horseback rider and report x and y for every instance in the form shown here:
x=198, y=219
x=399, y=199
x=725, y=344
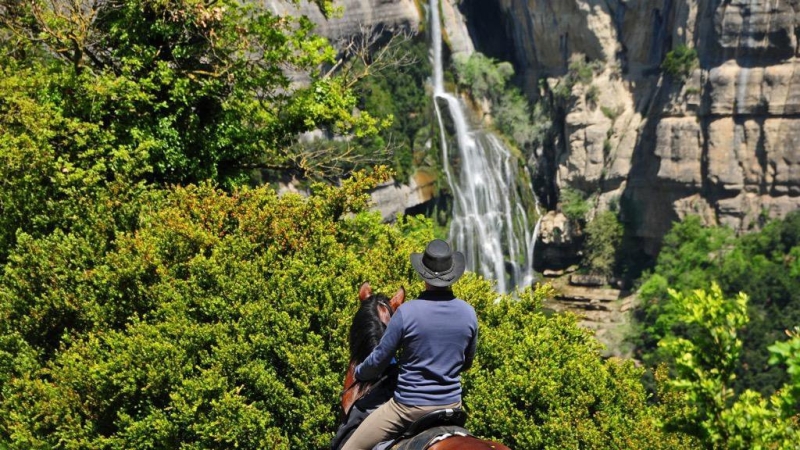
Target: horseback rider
x=438, y=334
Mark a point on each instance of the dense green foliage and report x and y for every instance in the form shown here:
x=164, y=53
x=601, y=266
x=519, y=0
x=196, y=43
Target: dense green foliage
x=150, y=299
x=574, y=205
x=680, y=62
x=400, y=92
x=705, y=366
x=202, y=88
x=761, y=264
x=100, y=94
x=220, y=320
x=787, y=353
x=486, y=78
x=539, y=384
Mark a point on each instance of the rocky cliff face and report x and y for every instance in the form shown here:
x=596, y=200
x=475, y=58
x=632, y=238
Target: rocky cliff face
x=722, y=143
x=358, y=15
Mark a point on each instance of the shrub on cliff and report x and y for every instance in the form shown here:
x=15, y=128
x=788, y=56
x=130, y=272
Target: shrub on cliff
x=486, y=78
x=680, y=62
x=575, y=205
x=603, y=238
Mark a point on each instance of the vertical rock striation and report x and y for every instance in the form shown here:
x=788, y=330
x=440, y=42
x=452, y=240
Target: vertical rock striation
x=723, y=143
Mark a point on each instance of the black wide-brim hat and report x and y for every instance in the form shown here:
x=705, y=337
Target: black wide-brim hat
x=439, y=265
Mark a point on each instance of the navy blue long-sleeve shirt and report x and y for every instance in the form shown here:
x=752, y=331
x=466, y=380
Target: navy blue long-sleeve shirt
x=438, y=334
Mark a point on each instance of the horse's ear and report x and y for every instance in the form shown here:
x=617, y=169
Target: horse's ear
x=398, y=299
x=364, y=292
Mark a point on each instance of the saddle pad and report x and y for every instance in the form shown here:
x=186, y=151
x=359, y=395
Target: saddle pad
x=429, y=437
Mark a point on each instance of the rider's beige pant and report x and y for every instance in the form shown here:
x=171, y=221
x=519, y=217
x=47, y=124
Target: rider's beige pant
x=386, y=422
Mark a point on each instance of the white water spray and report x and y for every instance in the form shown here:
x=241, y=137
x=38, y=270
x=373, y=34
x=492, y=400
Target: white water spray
x=490, y=224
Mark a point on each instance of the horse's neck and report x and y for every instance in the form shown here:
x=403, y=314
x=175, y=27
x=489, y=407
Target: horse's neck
x=353, y=391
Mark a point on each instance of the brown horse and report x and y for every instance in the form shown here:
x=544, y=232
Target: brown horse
x=366, y=330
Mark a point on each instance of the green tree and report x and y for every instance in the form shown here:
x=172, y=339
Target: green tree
x=539, y=382
x=98, y=95
x=206, y=85
x=486, y=78
x=705, y=367
x=483, y=76
x=220, y=320
x=688, y=259
x=516, y=120
x=759, y=264
x=787, y=353
x=400, y=92
x=603, y=238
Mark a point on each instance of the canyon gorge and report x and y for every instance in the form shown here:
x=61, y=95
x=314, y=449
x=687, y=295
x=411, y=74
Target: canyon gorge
x=719, y=141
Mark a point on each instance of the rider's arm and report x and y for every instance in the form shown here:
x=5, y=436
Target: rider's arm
x=469, y=353
x=381, y=356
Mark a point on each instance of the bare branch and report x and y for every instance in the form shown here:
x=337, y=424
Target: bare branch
x=326, y=159
x=370, y=52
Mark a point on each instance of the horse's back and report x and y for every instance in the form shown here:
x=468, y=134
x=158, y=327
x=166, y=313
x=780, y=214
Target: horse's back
x=466, y=443
x=445, y=438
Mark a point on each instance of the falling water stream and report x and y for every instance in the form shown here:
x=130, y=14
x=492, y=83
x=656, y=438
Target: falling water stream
x=490, y=223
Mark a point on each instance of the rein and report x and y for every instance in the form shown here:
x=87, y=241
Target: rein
x=380, y=380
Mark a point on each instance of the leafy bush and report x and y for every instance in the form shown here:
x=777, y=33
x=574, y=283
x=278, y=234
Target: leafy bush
x=200, y=89
x=486, y=78
x=574, y=204
x=788, y=354
x=705, y=365
x=680, y=62
x=220, y=320
x=516, y=120
x=592, y=96
x=539, y=383
x=579, y=71
x=611, y=113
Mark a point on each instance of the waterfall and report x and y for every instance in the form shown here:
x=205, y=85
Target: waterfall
x=533, y=237
x=490, y=223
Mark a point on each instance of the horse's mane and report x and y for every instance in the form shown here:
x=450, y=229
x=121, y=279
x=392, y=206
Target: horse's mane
x=367, y=329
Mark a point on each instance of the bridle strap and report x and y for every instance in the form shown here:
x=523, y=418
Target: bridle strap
x=388, y=307
x=377, y=383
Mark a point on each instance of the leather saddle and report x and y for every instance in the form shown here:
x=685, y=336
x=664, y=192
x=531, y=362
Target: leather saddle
x=429, y=429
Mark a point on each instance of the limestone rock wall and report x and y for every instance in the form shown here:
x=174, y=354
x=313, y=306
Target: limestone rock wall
x=724, y=143
x=357, y=14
